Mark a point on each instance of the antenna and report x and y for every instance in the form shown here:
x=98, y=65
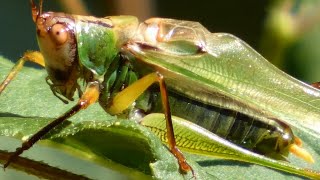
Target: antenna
x=35, y=11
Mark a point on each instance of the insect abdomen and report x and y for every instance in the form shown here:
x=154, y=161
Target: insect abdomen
x=236, y=127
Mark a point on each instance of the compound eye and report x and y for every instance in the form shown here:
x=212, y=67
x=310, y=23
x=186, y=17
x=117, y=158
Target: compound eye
x=59, y=34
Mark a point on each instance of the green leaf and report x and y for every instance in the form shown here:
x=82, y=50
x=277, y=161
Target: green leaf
x=94, y=138
x=122, y=141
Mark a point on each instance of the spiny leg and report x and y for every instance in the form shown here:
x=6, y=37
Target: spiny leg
x=32, y=56
x=89, y=97
x=127, y=96
x=184, y=166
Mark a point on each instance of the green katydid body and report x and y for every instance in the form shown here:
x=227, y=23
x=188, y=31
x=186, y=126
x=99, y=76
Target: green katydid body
x=202, y=66
x=221, y=70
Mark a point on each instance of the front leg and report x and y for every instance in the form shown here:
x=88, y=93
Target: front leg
x=32, y=56
x=89, y=97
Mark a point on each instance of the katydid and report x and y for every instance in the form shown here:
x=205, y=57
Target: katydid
x=118, y=59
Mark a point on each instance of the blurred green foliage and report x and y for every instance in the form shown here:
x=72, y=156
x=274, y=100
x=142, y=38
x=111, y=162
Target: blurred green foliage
x=292, y=36
x=241, y=18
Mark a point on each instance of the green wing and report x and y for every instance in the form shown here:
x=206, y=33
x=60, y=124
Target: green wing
x=222, y=70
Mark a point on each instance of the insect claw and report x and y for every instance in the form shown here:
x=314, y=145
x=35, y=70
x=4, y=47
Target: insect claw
x=193, y=174
x=8, y=162
x=79, y=91
x=63, y=100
